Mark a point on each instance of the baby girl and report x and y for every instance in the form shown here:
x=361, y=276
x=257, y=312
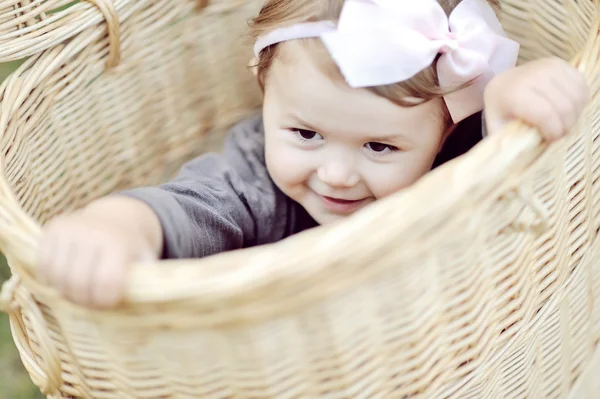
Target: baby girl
x=361, y=99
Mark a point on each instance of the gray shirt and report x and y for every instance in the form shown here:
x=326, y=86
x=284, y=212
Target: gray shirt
x=227, y=201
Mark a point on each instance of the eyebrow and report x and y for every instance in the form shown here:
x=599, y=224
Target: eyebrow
x=390, y=138
x=294, y=119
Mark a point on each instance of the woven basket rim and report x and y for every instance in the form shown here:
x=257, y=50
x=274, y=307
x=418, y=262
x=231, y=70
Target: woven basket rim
x=237, y=276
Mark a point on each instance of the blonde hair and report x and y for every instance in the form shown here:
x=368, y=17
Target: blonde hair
x=280, y=13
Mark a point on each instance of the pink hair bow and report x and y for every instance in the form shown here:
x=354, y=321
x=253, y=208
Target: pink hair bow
x=379, y=42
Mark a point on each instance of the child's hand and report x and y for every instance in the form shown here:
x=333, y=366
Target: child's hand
x=86, y=255
x=549, y=94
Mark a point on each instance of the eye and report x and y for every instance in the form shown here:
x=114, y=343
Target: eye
x=380, y=148
x=305, y=135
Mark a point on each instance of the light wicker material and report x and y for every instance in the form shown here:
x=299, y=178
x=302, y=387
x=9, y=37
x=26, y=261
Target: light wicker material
x=480, y=281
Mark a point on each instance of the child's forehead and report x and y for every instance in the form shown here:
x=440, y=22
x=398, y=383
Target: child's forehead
x=299, y=77
x=295, y=56
x=298, y=53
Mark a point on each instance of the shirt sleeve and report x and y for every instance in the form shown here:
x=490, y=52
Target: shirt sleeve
x=214, y=203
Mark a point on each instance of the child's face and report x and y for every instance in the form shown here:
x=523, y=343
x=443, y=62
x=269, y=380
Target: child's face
x=335, y=149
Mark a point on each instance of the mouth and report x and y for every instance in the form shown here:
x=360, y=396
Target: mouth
x=342, y=206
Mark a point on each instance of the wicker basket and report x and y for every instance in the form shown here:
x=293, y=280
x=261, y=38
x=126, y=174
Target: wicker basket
x=480, y=281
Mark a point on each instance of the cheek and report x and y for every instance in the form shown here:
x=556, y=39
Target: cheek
x=286, y=164
x=387, y=179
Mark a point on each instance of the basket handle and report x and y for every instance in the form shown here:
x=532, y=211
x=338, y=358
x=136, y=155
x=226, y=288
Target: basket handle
x=19, y=233
x=109, y=11
x=14, y=301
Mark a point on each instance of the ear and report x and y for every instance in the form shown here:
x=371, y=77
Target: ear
x=447, y=134
x=253, y=65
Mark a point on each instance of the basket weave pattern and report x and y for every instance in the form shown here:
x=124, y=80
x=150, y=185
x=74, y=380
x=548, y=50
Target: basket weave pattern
x=480, y=281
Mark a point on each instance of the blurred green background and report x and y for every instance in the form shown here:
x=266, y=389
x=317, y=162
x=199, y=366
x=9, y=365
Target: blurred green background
x=14, y=381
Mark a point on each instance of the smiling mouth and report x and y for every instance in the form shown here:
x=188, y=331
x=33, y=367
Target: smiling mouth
x=342, y=206
x=340, y=201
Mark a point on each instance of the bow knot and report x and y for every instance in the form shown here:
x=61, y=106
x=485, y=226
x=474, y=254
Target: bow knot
x=450, y=44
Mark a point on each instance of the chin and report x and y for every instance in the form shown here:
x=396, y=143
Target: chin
x=324, y=218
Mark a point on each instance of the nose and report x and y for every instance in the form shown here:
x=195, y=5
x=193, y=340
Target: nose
x=338, y=172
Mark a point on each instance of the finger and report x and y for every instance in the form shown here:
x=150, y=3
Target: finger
x=59, y=262
x=146, y=258
x=109, y=279
x=46, y=256
x=564, y=87
x=580, y=83
x=493, y=123
x=493, y=104
x=574, y=84
x=564, y=101
x=540, y=112
x=79, y=276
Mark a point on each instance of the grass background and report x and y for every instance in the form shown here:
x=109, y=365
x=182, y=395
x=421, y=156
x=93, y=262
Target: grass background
x=14, y=380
